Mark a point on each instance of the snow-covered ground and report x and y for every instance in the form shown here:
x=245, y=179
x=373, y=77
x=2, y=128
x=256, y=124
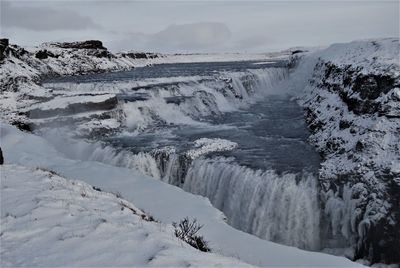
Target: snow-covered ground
x=49, y=221
x=164, y=202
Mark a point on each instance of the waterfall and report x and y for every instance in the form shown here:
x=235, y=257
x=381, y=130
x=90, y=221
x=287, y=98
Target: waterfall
x=281, y=208
x=190, y=101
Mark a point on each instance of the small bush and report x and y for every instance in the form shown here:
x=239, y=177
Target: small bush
x=187, y=230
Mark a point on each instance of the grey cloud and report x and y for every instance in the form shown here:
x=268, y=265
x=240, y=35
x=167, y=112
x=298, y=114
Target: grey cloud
x=43, y=18
x=252, y=42
x=256, y=26
x=192, y=36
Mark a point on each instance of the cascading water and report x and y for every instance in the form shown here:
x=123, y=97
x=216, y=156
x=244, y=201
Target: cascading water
x=282, y=208
x=256, y=167
x=189, y=102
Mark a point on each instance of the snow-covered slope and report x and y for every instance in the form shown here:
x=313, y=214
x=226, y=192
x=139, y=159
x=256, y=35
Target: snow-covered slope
x=164, y=202
x=352, y=107
x=48, y=221
x=21, y=69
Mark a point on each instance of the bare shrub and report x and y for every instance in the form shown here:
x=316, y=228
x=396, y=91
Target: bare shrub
x=187, y=230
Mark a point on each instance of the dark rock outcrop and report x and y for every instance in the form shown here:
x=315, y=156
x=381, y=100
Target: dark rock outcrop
x=44, y=54
x=22, y=126
x=359, y=91
x=139, y=55
x=17, y=51
x=298, y=51
x=100, y=53
x=1, y=157
x=93, y=48
x=3, y=46
x=89, y=44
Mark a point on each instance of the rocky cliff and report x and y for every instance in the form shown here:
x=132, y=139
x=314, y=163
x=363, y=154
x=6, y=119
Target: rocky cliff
x=22, y=69
x=69, y=58
x=352, y=105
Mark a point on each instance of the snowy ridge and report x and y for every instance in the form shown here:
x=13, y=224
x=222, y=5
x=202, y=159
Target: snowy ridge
x=370, y=56
x=45, y=212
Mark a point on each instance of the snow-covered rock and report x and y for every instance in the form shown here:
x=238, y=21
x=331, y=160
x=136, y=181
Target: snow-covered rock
x=353, y=111
x=206, y=145
x=21, y=70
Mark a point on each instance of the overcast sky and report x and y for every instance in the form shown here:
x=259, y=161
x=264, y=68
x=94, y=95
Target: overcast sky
x=199, y=26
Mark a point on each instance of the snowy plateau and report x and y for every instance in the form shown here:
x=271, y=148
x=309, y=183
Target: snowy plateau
x=287, y=159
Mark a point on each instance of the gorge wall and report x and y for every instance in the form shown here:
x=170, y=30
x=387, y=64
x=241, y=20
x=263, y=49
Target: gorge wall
x=352, y=104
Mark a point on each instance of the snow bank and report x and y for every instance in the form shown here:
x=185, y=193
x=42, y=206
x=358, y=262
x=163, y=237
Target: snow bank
x=374, y=56
x=164, y=202
x=49, y=221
